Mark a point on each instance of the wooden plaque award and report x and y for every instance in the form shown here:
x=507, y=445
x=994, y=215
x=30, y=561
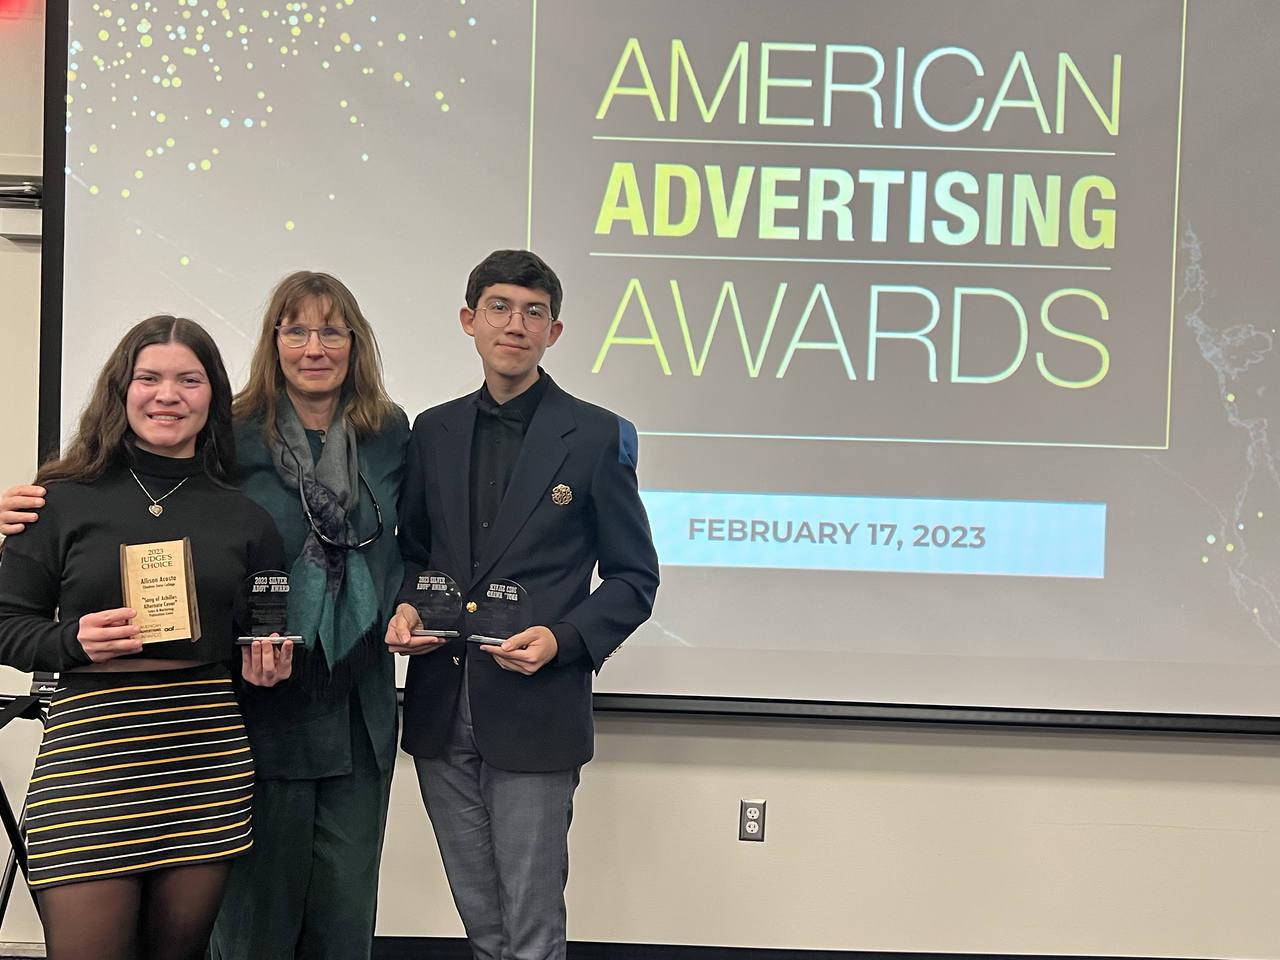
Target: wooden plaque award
x=158, y=582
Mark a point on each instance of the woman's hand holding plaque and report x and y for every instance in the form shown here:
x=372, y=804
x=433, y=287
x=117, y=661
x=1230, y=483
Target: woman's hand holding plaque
x=261, y=609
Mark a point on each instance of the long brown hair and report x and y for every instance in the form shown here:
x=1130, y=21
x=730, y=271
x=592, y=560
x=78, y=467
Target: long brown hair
x=367, y=405
x=104, y=422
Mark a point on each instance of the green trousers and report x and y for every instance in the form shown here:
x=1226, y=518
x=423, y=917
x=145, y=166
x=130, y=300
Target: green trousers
x=309, y=887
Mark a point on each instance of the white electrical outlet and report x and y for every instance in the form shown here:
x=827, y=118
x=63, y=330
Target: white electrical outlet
x=751, y=820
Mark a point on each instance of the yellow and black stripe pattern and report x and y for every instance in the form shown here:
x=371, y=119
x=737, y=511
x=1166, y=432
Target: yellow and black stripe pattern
x=138, y=772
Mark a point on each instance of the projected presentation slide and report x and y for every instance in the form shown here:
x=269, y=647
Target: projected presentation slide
x=947, y=327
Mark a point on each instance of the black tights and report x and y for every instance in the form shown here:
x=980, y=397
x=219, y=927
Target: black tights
x=161, y=915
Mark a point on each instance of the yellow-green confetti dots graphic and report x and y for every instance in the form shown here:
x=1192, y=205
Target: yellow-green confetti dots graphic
x=164, y=62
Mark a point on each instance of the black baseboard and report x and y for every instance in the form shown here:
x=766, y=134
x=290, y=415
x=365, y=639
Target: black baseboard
x=412, y=948
x=455, y=948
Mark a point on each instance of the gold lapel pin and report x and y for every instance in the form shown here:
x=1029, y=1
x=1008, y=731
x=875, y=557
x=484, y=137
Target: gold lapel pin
x=471, y=606
x=561, y=494
x=456, y=663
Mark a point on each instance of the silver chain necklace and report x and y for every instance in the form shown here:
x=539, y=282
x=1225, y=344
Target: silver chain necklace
x=155, y=509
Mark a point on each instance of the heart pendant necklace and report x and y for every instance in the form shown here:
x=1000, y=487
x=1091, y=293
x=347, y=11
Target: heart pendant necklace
x=155, y=509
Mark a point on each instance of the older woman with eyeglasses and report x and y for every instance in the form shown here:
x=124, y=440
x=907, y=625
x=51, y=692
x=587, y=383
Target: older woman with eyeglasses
x=321, y=447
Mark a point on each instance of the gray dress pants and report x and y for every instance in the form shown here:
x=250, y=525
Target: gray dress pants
x=504, y=838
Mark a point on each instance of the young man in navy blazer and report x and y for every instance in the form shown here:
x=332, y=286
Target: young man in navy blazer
x=519, y=481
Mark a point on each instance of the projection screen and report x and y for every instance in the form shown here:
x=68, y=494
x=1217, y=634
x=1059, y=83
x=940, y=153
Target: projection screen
x=947, y=327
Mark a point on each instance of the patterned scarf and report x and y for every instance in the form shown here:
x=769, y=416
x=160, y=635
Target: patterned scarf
x=332, y=599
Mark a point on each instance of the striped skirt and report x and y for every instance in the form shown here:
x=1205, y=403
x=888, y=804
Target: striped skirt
x=138, y=772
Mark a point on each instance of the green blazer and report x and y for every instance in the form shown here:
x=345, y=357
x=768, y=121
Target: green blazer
x=296, y=735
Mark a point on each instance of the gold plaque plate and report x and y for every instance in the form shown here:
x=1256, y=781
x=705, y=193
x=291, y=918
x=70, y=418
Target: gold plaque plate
x=158, y=581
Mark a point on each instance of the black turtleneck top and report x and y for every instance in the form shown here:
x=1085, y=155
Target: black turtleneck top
x=67, y=564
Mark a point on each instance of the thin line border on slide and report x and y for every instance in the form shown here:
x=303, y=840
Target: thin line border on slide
x=1173, y=296
x=1173, y=268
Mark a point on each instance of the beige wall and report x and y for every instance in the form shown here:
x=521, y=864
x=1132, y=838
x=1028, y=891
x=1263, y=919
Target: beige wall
x=878, y=838
x=21, y=83
x=902, y=839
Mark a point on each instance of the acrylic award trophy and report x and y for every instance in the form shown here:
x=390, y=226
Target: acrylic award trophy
x=504, y=610
x=438, y=601
x=159, y=582
x=261, y=608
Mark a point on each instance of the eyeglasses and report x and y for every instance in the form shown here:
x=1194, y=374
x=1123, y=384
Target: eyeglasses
x=296, y=335
x=320, y=535
x=306, y=509
x=535, y=316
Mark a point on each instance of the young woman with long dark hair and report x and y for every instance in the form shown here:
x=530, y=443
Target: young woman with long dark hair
x=143, y=788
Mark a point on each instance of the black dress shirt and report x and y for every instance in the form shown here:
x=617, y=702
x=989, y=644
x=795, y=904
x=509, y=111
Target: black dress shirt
x=495, y=448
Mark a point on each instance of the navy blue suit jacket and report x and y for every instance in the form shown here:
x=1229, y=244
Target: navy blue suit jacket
x=541, y=722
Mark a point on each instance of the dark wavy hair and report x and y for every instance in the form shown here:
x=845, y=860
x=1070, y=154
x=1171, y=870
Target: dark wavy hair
x=104, y=424
x=523, y=268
